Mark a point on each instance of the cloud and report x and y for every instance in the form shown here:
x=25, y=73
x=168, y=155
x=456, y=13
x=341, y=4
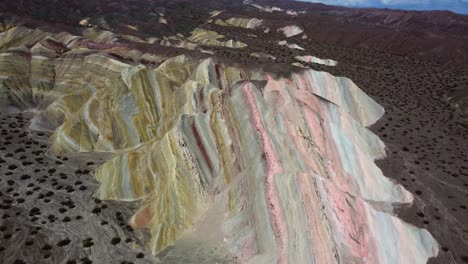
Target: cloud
x=459, y=6
x=403, y=2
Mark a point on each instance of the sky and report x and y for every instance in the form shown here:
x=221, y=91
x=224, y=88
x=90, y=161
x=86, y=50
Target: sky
x=457, y=6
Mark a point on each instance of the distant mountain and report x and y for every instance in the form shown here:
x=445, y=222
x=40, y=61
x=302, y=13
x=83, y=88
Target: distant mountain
x=438, y=35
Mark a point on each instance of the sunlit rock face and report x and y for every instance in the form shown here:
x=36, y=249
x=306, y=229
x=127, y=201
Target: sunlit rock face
x=313, y=59
x=268, y=9
x=263, y=55
x=290, y=45
x=290, y=31
x=272, y=169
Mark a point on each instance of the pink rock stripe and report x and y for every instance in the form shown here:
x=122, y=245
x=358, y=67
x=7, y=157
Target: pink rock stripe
x=273, y=167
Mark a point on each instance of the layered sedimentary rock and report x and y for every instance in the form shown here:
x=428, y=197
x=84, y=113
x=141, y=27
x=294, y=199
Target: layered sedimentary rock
x=27, y=73
x=268, y=168
x=249, y=23
x=212, y=38
x=179, y=43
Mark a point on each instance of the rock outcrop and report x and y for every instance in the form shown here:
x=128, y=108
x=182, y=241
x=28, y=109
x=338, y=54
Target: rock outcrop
x=269, y=168
x=291, y=31
x=313, y=59
x=240, y=22
x=212, y=38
